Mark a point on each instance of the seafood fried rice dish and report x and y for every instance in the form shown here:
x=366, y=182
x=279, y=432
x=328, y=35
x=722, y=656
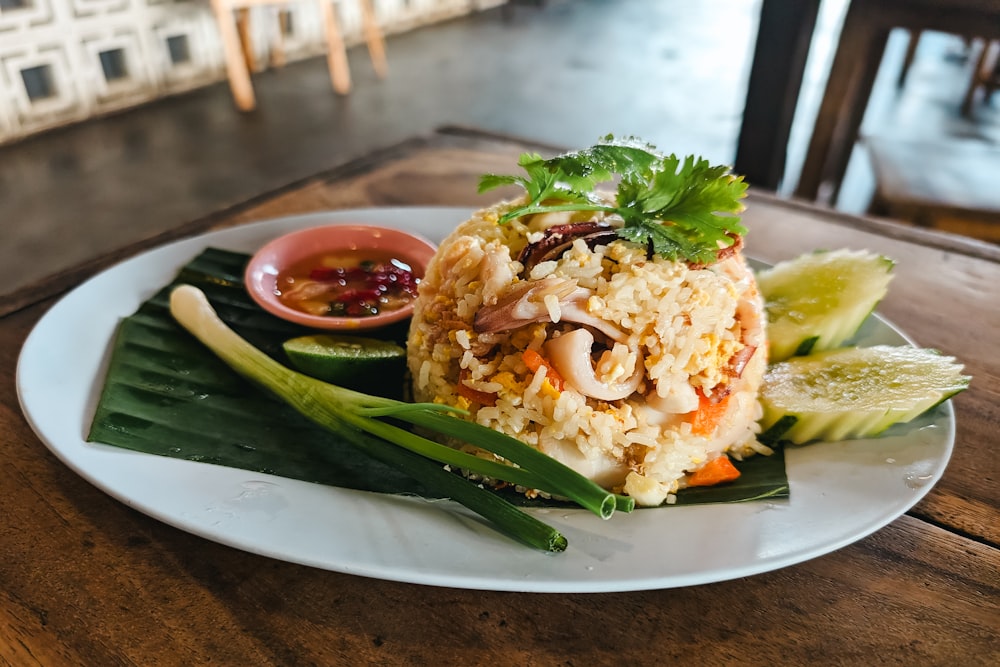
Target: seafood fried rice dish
x=558, y=319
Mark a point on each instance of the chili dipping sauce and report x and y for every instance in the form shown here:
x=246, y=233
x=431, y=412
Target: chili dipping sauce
x=347, y=284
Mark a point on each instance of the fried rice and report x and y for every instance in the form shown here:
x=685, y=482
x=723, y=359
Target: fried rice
x=553, y=330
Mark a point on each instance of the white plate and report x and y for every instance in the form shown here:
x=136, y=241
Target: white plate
x=840, y=492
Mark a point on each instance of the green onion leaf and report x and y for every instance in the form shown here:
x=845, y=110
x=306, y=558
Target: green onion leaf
x=326, y=403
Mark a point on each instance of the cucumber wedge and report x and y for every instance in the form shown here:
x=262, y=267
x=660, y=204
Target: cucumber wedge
x=367, y=365
x=817, y=301
x=854, y=392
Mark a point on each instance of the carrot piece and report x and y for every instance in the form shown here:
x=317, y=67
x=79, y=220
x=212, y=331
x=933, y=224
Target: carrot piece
x=714, y=472
x=709, y=414
x=477, y=396
x=534, y=361
x=474, y=395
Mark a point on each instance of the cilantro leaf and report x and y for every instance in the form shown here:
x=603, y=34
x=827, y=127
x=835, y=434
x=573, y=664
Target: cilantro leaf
x=682, y=210
x=493, y=181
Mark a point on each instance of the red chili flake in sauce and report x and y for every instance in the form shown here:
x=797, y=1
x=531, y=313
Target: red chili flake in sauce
x=346, y=287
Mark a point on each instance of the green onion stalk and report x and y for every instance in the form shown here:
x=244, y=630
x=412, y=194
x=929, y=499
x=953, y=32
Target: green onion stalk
x=358, y=418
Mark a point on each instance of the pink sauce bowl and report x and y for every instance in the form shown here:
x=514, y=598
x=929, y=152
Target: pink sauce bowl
x=261, y=276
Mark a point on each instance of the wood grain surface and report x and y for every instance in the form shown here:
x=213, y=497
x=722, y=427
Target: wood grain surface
x=89, y=581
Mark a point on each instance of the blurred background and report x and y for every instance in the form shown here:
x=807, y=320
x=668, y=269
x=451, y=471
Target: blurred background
x=117, y=119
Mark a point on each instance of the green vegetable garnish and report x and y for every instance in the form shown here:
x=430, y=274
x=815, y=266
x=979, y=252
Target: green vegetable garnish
x=682, y=210
x=357, y=417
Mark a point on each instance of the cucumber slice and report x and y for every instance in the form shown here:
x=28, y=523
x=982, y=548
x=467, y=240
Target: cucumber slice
x=368, y=365
x=854, y=392
x=817, y=301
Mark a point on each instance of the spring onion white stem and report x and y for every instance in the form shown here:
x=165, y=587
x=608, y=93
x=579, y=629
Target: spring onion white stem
x=352, y=415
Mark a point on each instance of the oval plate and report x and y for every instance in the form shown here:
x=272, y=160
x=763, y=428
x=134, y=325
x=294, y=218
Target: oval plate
x=840, y=492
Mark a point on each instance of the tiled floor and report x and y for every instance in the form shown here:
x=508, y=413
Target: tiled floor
x=565, y=73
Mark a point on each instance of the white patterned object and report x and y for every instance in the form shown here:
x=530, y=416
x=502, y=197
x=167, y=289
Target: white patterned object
x=63, y=61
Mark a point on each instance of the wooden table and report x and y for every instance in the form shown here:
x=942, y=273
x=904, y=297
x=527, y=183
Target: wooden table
x=89, y=581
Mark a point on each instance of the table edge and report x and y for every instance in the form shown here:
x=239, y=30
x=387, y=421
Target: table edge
x=63, y=280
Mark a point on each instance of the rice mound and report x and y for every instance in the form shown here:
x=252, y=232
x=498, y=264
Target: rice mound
x=662, y=336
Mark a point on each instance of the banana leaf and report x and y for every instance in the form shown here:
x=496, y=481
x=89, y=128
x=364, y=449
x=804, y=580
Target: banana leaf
x=166, y=394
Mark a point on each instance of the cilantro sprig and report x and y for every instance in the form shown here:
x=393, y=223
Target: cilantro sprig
x=679, y=209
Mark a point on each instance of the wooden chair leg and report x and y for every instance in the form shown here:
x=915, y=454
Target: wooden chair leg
x=978, y=73
x=243, y=28
x=848, y=88
x=336, y=52
x=911, y=52
x=993, y=73
x=236, y=65
x=373, y=36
